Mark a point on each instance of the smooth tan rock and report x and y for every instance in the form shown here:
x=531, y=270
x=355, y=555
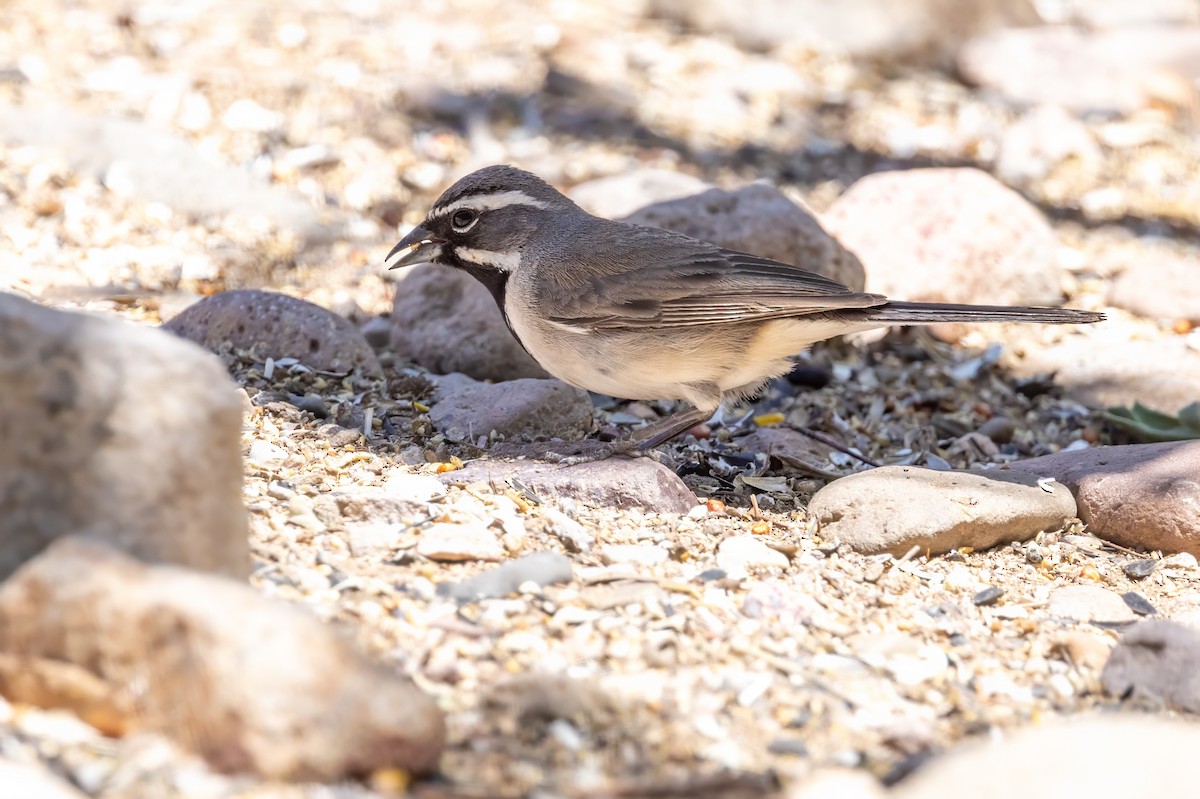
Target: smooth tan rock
x=119, y=432
x=1145, y=496
x=277, y=326
x=894, y=508
x=248, y=683
x=760, y=220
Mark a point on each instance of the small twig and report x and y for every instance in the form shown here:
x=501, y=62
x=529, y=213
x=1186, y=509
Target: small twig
x=830, y=442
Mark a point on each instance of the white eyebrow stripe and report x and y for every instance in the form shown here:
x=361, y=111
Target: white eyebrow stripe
x=489, y=202
x=503, y=261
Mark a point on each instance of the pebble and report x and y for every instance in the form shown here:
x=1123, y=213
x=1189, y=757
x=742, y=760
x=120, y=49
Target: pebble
x=408, y=487
x=539, y=568
x=740, y=554
x=1138, y=603
x=1139, y=569
x=1084, y=649
x=988, y=596
x=1089, y=603
x=444, y=541
x=645, y=555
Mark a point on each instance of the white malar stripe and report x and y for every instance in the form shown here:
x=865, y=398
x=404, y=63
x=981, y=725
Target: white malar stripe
x=489, y=202
x=501, y=261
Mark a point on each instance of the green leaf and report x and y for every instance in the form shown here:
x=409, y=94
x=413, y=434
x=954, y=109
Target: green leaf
x=1151, y=425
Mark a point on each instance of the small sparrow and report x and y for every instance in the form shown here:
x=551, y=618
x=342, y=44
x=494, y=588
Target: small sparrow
x=642, y=313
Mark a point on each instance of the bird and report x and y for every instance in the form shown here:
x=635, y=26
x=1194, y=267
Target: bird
x=643, y=313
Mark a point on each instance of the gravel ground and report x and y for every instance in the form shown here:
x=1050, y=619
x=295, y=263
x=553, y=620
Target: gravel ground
x=656, y=671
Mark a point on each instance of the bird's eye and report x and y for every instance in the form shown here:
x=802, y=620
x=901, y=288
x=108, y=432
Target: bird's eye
x=463, y=218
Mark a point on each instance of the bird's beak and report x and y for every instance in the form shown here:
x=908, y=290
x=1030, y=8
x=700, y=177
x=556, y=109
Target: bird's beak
x=417, y=247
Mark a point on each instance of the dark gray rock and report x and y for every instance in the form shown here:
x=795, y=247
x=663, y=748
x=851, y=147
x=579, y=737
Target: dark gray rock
x=446, y=321
x=119, y=432
x=760, y=220
x=542, y=568
x=1158, y=661
x=464, y=409
x=277, y=326
x=614, y=482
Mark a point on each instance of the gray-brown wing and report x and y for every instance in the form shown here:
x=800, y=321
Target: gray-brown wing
x=704, y=285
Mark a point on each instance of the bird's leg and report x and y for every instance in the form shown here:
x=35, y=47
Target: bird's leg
x=667, y=428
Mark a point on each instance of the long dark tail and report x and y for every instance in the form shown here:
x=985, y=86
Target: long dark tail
x=928, y=313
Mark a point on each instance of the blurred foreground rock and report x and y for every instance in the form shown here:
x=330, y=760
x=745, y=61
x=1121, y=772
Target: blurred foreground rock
x=760, y=220
x=894, y=508
x=1143, y=496
x=1116, y=755
x=277, y=326
x=1156, y=661
x=248, y=683
x=948, y=235
x=117, y=432
x=31, y=782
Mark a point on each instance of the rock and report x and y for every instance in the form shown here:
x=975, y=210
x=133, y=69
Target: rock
x=408, y=487
x=1141, y=496
x=837, y=783
x=1159, y=661
x=760, y=220
x=1166, y=288
x=1089, y=603
x=1104, y=369
x=529, y=408
x=1113, y=755
x=137, y=160
x=445, y=541
x=118, y=432
x=540, y=568
x=1125, y=13
x=250, y=684
x=1040, y=141
x=620, y=195
x=644, y=555
x=573, y=535
x=22, y=781
x=894, y=508
x=948, y=235
x=740, y=554
x=446, y=321
x=1084, y=650
x=782, y=441
x=277, y=326
x=613, y=483
x=1103, y=72
x=371, y=519
x=907, y=659
x=871, y=28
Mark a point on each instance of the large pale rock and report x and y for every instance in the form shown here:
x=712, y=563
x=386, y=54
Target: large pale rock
x=893, y=508
x=948, y=235
x=760, y=220
x=465, y=409
x=1164, y=287
x=118, y=432
x=30, y=782
x=619, y=195
x=446, y=321
x=137, y=160
x=1104, y=368
x=248, y=683
x=1115, y=755
x=1110, y=72
x=277, y=326
x=614, y=482
x=872, y=28
x=1145, y=496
